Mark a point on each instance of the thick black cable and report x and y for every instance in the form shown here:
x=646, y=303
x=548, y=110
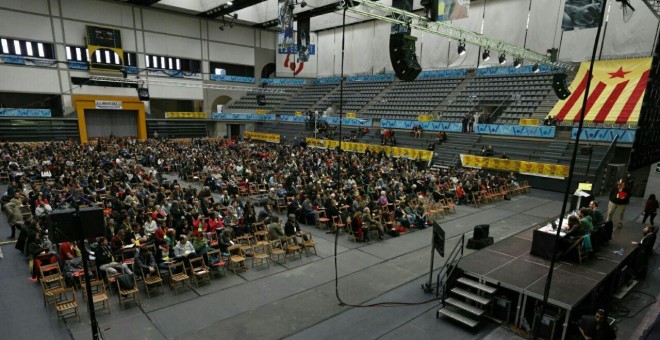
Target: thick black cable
x=338, y=183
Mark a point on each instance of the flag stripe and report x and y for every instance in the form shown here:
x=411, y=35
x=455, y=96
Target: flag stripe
x=634, y=98
x=593, y=97
x=607, y=107
x=573, y=98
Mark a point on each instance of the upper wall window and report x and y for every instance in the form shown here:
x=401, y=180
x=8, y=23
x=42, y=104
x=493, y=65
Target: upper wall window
x=172, y=63
x=26, y=48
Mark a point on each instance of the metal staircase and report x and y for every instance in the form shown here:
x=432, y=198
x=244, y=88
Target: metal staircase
x=467, y=301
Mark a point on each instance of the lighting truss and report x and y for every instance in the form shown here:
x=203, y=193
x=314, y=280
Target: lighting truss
x=376, y=10
x=163, y=82
x=654, y=5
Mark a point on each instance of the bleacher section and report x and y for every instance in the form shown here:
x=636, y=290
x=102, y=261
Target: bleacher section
x=407, y=100
x=306, y=98
x=511, y=97
x=273, y=100
x=356, y=95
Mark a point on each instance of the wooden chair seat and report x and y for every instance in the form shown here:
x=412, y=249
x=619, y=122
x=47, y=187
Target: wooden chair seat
x=179, y=279
x=276, y=251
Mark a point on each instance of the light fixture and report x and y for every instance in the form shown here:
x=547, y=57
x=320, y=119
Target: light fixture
x=502, y=59
x=517, y=62
x=536, y=68
x=303, y=4
x=461, y=48
x=229, y=3
x=486, y=55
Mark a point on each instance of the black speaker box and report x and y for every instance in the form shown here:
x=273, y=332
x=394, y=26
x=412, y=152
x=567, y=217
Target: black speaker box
x=481, y=231
x=403, y=58
x=478, y=244
x=559, y=85
x=65, y=226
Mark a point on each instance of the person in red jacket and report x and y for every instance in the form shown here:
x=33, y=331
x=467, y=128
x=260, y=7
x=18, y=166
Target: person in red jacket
x=650, y=208
x=619, y=199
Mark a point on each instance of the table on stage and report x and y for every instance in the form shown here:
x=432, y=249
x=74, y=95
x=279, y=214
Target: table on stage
x=543, y=241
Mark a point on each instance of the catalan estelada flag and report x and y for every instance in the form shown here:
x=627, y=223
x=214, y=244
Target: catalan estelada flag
x=615, y=96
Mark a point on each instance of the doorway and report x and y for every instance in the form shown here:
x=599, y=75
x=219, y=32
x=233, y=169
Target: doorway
x=106, y=123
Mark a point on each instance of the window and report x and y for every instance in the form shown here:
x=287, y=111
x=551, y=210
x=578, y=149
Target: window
x=27, y=48
x=232, y=69
x=101, y=56
x=172, y=63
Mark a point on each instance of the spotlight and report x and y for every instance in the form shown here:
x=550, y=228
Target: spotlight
x=303, y=4
x=535, y=68
x=486, y=55
x=517, y=62
x=502, y=59
x=229, y=3
x=461, y=48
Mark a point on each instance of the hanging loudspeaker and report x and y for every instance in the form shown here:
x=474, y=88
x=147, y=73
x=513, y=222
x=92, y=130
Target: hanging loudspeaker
x=403, y=58
x=559, y=85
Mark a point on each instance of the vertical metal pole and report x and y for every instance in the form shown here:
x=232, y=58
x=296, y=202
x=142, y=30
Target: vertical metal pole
x=88, y=285
x=429, y=285
x=589, y=75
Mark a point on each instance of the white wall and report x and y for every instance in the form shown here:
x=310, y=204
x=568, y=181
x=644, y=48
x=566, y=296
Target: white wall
x=143, y=30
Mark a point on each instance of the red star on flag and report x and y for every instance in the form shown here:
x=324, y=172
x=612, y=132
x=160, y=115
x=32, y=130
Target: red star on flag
x=619, y=73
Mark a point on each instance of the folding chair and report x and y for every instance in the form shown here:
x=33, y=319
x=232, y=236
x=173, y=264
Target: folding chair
x=125, y=293
x=67, y=305
x=292, y=247
x=260, y=254
x=216, y=263
x=152, y=280
x=99, y=295
x=308, y=243
x=178, y=276
x=236, y=258
x=276, y=251
x=199, y=271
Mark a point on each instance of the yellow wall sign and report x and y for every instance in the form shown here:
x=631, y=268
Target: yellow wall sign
x=529, y=121
x=523, y=167
x=298, y=113
x=186, y=115
x=362, y=147
x=261, y=111
x=267, y=137
x=424, y=118
x=351, y=115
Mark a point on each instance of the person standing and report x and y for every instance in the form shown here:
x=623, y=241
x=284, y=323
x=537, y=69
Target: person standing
x=619, y=199
x=650, y=208
x=645, y=252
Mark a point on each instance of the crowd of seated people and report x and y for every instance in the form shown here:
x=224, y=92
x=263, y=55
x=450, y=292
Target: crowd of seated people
x=172, y=222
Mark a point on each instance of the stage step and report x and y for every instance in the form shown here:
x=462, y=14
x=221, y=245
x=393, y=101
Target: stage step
x=457, y=316
x=469, y=295
x=474, y=284
x=464, y=306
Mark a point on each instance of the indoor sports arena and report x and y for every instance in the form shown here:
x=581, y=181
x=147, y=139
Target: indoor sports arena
x=329, y=169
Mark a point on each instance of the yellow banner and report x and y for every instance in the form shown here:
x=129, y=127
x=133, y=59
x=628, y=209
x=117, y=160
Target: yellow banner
x=523, y=167
x=186, y=115
x=529, y=121
x=351, y=115
x=267, y=137
x=261, y=111
x=362, y=147
x=424, y=118
x=299, y=113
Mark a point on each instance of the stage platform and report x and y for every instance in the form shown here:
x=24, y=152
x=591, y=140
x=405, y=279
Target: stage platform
x=510, y=265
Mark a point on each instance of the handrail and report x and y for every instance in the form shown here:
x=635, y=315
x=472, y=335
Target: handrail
x=452, y=260
x=600, y=170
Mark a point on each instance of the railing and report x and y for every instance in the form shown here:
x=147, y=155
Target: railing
x=448, y=269
x=602, y=167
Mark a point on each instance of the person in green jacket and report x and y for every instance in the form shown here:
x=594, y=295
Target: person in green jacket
x=586, y=220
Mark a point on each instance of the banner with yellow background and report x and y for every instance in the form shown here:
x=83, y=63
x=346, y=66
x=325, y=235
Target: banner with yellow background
x=267, y=137
x=523, y=167
x=362, y=147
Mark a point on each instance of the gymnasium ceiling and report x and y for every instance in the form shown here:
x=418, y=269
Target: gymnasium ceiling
x=323, y=14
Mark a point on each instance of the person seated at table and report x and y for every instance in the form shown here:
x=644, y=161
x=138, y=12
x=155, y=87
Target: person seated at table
x=573, y=231
x=586, y=220
x=597, y=217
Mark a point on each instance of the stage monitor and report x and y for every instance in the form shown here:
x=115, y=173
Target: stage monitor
x=481, y=231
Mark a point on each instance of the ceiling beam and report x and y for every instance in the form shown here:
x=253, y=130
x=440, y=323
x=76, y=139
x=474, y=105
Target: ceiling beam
x=225, y=8
x=376, y=10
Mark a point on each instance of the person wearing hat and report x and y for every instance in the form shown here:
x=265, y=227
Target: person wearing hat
x=619, y=199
